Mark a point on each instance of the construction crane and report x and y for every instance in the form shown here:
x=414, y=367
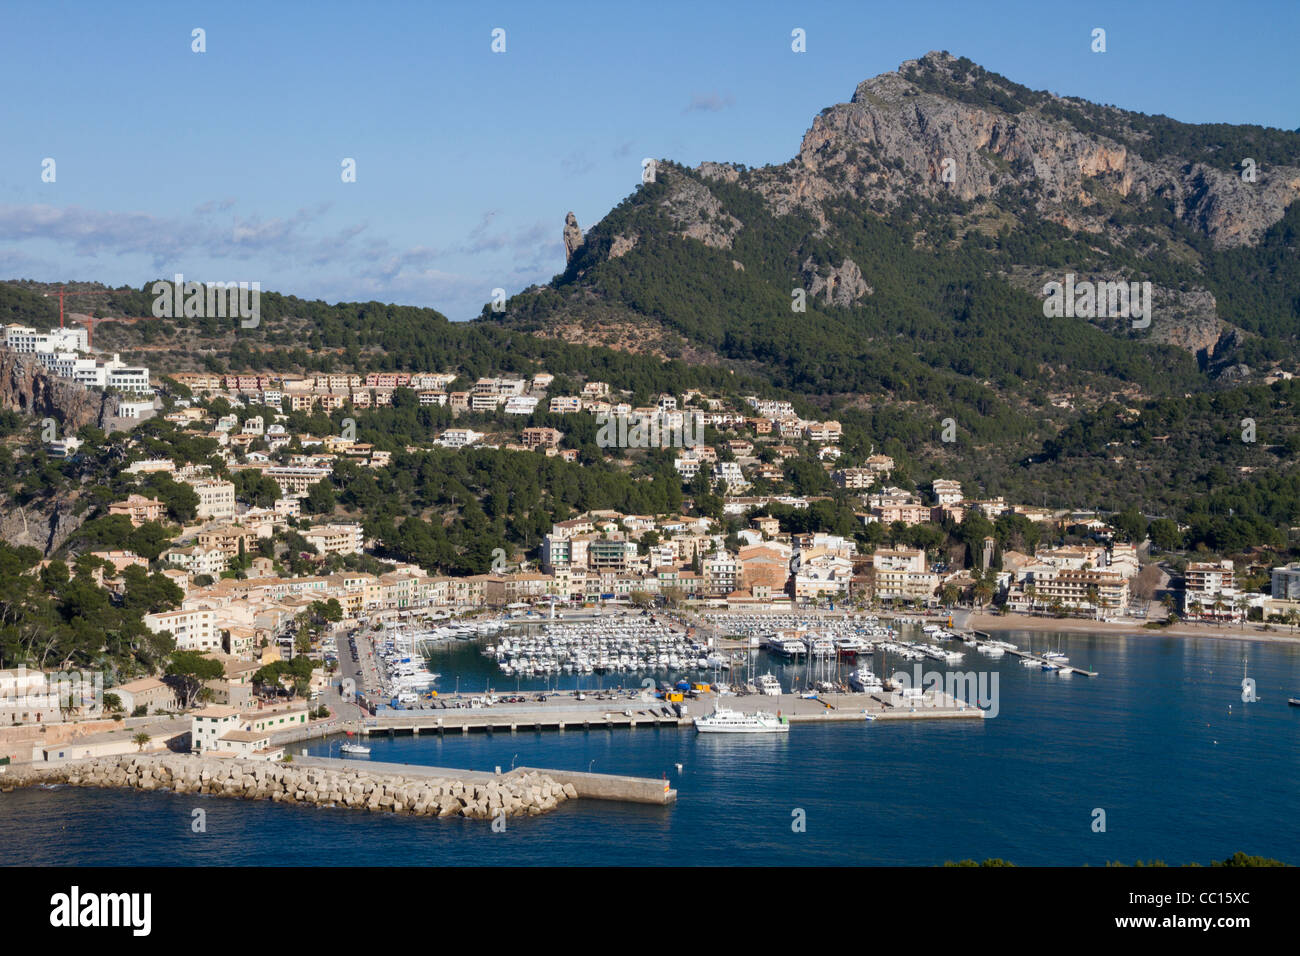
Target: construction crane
x=63, y=291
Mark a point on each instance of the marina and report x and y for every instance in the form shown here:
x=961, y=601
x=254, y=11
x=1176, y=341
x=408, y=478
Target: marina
x=1199, y=762
x=632, y=655
x=1053, y=662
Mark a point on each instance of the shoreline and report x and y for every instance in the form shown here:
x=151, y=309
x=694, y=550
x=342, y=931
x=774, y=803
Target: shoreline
x=997, y=623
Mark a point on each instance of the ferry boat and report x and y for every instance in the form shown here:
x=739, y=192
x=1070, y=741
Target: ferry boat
x=768, y=685
x=726, y=721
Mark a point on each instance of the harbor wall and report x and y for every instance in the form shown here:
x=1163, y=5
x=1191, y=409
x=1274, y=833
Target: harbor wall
x=521, y=793
x=604, y=786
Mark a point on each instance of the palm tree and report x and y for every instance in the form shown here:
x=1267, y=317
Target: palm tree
x=140, y=739
x=1242, y=603
x=1168, y=601
x=1293, y=618
x=1031, y=592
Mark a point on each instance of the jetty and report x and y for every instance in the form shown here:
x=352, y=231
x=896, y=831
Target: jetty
x=569, y=714
x=577, y=785
x=1028, y=655
x=325, y=782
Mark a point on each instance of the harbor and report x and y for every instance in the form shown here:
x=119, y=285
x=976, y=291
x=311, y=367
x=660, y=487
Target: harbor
x=735, y=793
x=566, y=713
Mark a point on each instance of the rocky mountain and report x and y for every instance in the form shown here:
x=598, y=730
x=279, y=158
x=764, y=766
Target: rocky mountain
x=959, y=169
x=943, y=126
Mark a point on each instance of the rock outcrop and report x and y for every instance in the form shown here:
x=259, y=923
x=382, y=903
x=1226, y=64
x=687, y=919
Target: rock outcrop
x=692, y=207
x=28, y=386
x=41, y=524
x=361, y=789
x=842, y=287
x=572, y=237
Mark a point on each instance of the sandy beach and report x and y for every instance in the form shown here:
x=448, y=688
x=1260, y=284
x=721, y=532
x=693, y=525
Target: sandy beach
x=1070, y=625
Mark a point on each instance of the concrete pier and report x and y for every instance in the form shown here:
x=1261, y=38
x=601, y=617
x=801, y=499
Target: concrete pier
x=568, y=713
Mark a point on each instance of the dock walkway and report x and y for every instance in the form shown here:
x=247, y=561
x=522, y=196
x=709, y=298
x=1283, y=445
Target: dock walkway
x=596, y=715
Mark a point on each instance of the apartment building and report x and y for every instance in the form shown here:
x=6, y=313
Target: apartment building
x=721, y=572
x=1286, y=583
x=230, y=540
x=520, y=405
x=823, y=432
x=854, y=479
x=1210, y=583
x=1072, y=589
x=295, y=480
x=25, y=339
x=139, y=509
x=335, y=538
x=899, y=574
x=194, y=630
x=197, y=560
x=216, y=497
x=947, y=492
x=541, y=437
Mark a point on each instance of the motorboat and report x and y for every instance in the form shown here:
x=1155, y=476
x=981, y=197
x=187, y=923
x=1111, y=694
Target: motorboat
x=865, y=681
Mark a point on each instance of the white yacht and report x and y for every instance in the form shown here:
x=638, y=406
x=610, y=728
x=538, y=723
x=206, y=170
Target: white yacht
x=354, y=750
x=726, y=721
x=864, y=681
x=768, y=685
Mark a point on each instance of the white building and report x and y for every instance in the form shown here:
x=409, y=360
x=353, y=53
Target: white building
x=23, y=338
x=194, y=630
x=216, y=498
x=335, y=538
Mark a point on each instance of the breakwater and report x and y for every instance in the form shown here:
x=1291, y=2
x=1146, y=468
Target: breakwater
x=528, y=793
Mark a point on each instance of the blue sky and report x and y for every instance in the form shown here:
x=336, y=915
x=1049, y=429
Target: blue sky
x=225, y=165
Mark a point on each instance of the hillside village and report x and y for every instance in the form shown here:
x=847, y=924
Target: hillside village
x=260, y=578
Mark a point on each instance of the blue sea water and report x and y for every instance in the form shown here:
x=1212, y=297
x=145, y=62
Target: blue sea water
x=1161, y=741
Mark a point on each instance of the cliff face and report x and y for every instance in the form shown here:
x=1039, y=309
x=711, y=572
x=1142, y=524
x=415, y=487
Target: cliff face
x=42, y=525
x=27, y=386
x=896, y=139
